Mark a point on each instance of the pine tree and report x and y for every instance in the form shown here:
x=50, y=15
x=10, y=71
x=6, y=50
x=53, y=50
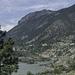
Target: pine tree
x=8, y=61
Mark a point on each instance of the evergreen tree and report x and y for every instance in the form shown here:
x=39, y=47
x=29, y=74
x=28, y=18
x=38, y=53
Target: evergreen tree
x=8, y=61
x=29, y=73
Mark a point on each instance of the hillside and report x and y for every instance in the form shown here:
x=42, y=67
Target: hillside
x=41, y=27
x=38, y=31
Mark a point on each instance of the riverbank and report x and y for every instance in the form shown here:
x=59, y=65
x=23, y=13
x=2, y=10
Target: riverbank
x=30, y=60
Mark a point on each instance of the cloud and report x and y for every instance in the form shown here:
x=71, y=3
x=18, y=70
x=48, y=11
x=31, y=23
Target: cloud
x=13, y=20
x=7, y=27
x=50, y=5
x=10, y=6
x=11, y=11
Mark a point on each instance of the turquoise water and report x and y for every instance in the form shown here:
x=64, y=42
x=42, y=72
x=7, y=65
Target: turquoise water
x=34, y=68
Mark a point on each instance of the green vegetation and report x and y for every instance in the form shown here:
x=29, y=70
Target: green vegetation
x=29, y=73
x=8, y=62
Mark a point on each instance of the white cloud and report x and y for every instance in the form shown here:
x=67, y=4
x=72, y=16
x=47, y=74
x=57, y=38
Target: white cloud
x=13, y=21
x=38, y=6
x=12, y=6
x=7, y=27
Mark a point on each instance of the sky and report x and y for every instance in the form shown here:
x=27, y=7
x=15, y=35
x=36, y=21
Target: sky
x=11, y=11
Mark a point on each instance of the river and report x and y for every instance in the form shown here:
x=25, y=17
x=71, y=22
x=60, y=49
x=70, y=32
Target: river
x=34, y=68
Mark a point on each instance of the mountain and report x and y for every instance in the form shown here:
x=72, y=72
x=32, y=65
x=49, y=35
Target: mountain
x=47, y=35
x=41, y=27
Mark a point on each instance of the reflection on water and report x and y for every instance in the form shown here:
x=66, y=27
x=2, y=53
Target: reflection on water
x=34, y=68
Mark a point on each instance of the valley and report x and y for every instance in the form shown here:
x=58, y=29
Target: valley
x=47, y=36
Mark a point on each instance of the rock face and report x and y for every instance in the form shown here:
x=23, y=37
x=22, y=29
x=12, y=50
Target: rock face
x=43, y=26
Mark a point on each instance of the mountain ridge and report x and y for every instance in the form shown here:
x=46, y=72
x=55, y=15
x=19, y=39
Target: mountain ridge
x=44, y=24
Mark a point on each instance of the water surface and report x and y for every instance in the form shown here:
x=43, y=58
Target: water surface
x=34, y=68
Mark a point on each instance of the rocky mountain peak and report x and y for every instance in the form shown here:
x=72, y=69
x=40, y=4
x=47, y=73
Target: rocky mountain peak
x=35, y=15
